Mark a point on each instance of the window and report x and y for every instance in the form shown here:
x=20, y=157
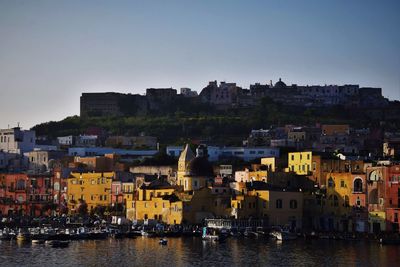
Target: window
x=358, y=185
x=331, y=182
x=292, y=157
x=342, y=184
x=264, y=204
x=308, y=156
x=358, y=201
x=293, y=204
x=279, y=203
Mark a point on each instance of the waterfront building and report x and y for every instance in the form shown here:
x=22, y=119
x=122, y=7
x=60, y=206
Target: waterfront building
x=392, y=198
x=13, y=194
x=156, y=202
x=345, y=203
x=278, y=206
x=94, y=189
x=40, y=194
x=376, y=177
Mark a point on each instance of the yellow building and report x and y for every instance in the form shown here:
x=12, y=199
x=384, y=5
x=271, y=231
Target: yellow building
x=344, y=192
x=278, y=207
x=207, y=202
x=247, y=175
x=92, y=188
x=300, y=162
x=156, y=201
x=128, y=192
x=270, y=162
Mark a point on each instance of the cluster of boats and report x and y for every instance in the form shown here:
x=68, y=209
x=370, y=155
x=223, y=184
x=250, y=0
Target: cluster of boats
x=221, y=235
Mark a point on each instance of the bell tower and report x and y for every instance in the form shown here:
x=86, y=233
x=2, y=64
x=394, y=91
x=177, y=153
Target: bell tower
x=185, y=157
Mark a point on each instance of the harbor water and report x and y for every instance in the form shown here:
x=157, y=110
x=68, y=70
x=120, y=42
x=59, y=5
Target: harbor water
x=192, y=251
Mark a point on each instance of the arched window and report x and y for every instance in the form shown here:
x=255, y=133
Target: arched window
x=331, y=182
x=293, y=204
x=358, y=185
x=279, y=203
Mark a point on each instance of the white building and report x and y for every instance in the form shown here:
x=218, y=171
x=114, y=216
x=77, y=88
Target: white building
x=216, y=153
x=17, y=141
x=66, y=140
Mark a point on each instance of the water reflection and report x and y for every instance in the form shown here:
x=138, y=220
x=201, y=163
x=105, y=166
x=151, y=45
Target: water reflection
x=195, y=252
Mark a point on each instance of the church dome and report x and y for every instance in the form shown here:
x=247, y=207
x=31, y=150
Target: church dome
x=280, y=84
x=200, y=166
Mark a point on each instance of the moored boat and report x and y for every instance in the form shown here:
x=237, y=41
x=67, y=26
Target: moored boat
x=283, y=235
x=163, y=241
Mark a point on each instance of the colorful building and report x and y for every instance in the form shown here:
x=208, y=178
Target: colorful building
x=92, y=188
x=345, y=203
x=157, y=202
x=280, y=207
x=300, y=162
x=13, y=194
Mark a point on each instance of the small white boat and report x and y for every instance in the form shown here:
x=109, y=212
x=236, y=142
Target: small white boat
x=38, y=241
x=163, y=241
x=283, y=235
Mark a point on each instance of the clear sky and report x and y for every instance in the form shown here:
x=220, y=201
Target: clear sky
x=52, y=51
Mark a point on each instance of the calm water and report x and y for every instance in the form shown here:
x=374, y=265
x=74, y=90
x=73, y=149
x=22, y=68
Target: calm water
x=194, y=252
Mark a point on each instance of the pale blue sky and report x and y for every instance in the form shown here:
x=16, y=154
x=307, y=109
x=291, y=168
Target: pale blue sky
x=52, y=51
